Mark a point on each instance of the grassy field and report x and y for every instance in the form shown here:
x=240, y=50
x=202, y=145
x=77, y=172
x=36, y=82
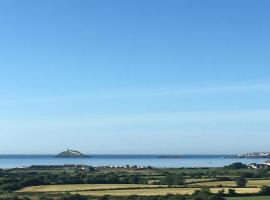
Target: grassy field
x=194, y=180
x=192, y=183
x=248, y=198
x=159, y=191
x=121, y=189
x=83, y=187
x=144, y=192
x=251, y=183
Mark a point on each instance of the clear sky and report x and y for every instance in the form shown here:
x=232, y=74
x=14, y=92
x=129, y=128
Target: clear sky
x=134, y=76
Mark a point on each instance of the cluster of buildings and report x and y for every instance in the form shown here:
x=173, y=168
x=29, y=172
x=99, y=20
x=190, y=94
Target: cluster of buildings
x=122, y=167
x=85, y=168
x=254, y=155
x=67, y=167
x=264, y=165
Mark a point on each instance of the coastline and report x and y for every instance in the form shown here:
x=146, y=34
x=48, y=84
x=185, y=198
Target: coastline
x=159, y=161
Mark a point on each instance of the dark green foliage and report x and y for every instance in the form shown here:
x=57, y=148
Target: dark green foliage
x=73, y=197
x=198, y=195
x=262, y=173
x=14, y=198
x=12, y=180
x=223, y=179
x=248, y=175
x=205, y=194
x=172, y=180
x=232, y=193
x=45, y=198
x=265, y=190
x=241, y=182
x=236, y=165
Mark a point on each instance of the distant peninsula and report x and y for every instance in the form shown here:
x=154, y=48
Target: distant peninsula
x=71, y=154
x=170, y=156
x=254, y=155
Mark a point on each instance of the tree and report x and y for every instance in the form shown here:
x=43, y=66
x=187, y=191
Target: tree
x=44, y=198
x=237, y=165
x=113, y=178
x=173, y=180
x=241, y=182
x=262, y=173
x=134, y=179
x=214, y=197
x=205, y=194
x=74, y=197
x=265, y=190
x=232, y=193
x=221, y=192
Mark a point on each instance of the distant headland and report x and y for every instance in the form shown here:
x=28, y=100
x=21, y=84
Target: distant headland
x=254, y=155
x=71, y=154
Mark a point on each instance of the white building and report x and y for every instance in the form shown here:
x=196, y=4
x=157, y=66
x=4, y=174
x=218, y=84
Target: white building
x=267, y=162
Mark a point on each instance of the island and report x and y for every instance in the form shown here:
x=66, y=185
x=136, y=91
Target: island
x=71, y=154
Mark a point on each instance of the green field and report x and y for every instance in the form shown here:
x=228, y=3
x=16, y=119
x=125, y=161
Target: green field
x=122, y=189
x=159, y=191
x=249, y=198
x=86, y=187
x=123, y=182
x=251, y=183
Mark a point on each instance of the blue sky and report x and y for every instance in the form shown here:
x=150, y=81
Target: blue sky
x=134, y=76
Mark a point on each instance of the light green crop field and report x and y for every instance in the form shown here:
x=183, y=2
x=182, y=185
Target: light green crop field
x=84, y=187
x=248, y=198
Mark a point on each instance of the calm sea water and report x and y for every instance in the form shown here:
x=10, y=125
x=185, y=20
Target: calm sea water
x=12, y=161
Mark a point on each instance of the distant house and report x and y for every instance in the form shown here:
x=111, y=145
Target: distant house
x=252, y=166
x=84, y=168
x=267, y=163
x=71, y=166
x=258, y=166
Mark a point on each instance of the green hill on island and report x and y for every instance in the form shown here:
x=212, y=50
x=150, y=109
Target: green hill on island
x=71, y=154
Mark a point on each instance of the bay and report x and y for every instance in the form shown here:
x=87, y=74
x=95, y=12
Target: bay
x=163, y=161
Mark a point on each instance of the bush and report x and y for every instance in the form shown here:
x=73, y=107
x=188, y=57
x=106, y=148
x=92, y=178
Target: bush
x=265, y=190
x=205, y=194
x=241, y=182
x=44, y=198
x=73, y=197
x=172, y=180
x=236, y=165
x=232, y=193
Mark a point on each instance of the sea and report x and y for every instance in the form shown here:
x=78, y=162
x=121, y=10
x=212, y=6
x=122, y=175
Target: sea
x=160, y=161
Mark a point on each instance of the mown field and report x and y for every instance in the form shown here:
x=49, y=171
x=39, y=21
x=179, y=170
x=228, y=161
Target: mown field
x=160, y=191
x=123, y=189
x=251, y=183
x=248, y=198
x=84, y=187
